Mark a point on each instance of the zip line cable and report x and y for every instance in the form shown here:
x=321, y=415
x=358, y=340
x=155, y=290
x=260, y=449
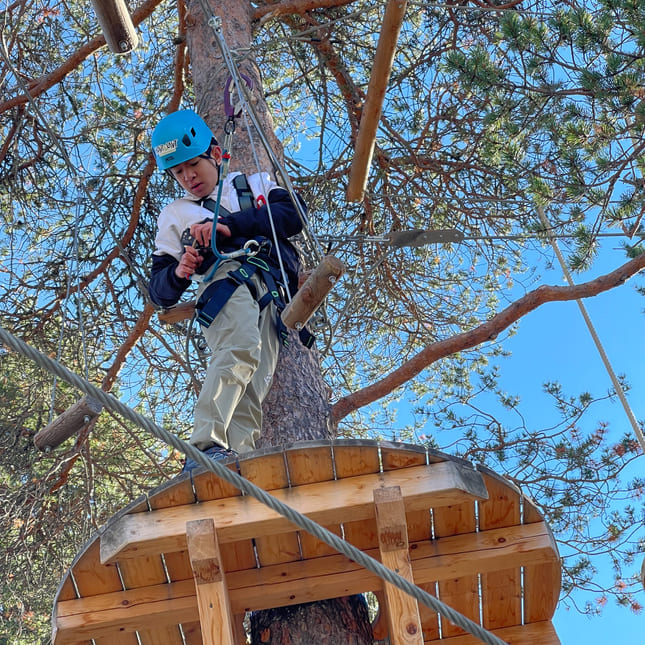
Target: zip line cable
x=596, y=339
x=248, y=488
x=421, y=237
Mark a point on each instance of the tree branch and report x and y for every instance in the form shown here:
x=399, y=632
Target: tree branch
x=296, y=6
x=42, y=84
x=484, y=332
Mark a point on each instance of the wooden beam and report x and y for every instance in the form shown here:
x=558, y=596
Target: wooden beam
x=402, y=610
x=213, y=603
x=304, y=581
x=178, y=312
x=125, y=612
x=371, y=114
x=328, y=503
x=541, y=583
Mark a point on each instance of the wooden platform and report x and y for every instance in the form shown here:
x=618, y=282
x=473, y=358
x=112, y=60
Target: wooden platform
x=194, y=551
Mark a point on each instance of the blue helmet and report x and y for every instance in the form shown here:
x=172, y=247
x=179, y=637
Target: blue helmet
x=179, y=137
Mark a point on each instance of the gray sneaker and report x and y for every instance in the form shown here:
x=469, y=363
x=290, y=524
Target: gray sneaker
x=214, y=452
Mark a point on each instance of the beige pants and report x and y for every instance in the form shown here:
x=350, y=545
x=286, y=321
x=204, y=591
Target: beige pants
x=245, y=345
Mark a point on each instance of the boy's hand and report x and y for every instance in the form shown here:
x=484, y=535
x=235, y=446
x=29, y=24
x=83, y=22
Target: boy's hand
x=204, y=231
x=189, y=262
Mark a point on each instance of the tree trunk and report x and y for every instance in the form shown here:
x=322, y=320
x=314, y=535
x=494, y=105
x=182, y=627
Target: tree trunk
x=209, y=74
x=343, y=621
x=297, y=407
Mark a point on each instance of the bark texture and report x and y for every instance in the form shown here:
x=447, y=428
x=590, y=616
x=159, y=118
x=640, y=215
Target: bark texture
x=343, y=621
x=209, y=75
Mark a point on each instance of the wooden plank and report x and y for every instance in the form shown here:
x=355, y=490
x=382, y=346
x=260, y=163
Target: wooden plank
x=461, y=592
x=66, y=590
x=308, y=464
x=92, y=577
x=270, y=473
x=177, y=492
x=239, y=518
x=145, y=572
x=304, y=581
x=402, y=610
x=124, y=639
x=395, y=456
x=119, y=613
x=429, y=617
x=534, y=634
x=193, y=633
x=501, y=590
x=443, y=560
x=209, y=486
x=215, y=613
x=542, y=582
x=354, y=457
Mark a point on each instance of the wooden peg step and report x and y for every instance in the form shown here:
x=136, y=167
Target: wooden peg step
x=312, y=293
x=68, y=423
x=116, y=24
x=179, y=312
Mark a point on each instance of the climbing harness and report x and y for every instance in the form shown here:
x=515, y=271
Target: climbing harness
x=253, y=257
x=218, y=293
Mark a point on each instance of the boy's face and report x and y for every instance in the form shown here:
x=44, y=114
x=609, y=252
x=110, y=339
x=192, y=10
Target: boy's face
x=199, y=175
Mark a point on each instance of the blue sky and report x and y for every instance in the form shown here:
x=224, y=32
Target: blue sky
x=553, y=342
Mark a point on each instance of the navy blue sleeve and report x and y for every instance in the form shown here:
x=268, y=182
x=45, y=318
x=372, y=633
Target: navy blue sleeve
x=254, y=222
x=165, y=287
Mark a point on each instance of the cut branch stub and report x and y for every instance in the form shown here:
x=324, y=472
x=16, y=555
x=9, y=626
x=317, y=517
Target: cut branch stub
x=310, y=296
x=70, y=422
x=116, y=24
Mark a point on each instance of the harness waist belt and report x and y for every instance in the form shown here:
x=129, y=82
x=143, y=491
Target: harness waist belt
x=217, y=294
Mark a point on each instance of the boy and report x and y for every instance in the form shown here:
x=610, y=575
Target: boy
x=238, y=324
